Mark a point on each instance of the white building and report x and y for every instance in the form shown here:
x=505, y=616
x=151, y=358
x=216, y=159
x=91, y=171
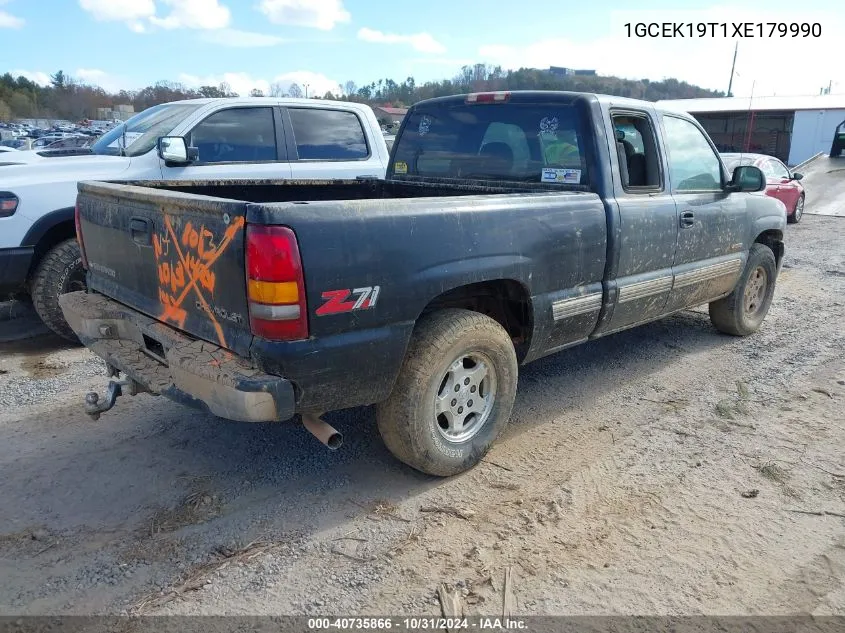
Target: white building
x=791, y=128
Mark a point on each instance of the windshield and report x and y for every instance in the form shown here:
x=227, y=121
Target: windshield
x=525, y=142
x=143, y=130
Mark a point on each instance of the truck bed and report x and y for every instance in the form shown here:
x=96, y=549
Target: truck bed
x=178, y=256
x=362, y=189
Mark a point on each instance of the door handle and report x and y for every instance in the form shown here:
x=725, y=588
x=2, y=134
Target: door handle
x=687, y=219
x=140, y=229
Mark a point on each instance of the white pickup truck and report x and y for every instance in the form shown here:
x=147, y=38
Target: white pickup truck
x=256, y=139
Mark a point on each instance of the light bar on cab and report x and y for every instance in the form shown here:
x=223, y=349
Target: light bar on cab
x=488, y=97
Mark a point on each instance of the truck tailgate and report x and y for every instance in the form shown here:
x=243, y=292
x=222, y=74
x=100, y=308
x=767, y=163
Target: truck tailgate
x=173, y=257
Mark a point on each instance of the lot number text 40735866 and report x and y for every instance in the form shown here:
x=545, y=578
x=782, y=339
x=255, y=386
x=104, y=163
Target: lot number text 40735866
x=722, y=29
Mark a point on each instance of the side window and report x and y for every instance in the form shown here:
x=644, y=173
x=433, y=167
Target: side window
x=693, y=164
x=636, y=150
x=236, y=135
x=328, y=134
x=778, y=170
x=766, y=168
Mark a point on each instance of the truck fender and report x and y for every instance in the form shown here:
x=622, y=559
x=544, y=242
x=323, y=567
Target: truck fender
x=45, y=224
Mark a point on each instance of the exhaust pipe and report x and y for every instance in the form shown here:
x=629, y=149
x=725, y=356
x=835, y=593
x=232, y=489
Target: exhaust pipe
x=323, y=431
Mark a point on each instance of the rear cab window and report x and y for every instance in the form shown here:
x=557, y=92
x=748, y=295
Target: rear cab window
x=518, y=141
x=328, y=134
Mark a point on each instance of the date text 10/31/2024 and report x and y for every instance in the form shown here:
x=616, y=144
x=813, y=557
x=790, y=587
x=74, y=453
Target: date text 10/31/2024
x=417, y=624
x=748, y=30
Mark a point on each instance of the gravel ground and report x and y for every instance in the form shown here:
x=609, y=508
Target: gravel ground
x=663, y=470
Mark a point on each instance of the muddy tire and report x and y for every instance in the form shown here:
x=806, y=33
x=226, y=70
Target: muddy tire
x=798, y=212
x=58, y=272
x=742, y=311
x=454, y=393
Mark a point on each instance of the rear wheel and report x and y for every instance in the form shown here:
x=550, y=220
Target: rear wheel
x=798, y=212
x=59, y=271
x=454, y=394
x=742, y=312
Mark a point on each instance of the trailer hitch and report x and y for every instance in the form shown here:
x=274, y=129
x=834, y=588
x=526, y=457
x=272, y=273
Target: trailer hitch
x=94, y=407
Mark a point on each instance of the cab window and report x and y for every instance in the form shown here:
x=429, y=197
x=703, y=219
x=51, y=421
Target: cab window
x=693, y=165
x=236, y=135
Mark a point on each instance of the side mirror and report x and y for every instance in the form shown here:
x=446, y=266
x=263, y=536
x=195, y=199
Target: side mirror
x=796, y=176
x=175, y=150
x=747, y=178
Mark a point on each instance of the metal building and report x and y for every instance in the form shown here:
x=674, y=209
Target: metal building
x=790, y=128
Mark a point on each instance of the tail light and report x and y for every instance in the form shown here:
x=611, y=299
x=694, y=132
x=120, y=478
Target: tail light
x=488, y=97
x=8, y=204
x=78, y=223
x=275, y=285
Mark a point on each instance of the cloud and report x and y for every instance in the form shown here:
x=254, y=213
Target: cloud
x=317, y=14
x=318, y=84
x=243, y=83
x=194, y=14
x=131, y=12
x=97, y=77
x=9, y=21
x=421, y=42
x=235, y=38
x=138, y=15
x=702, y=61
x=36, y=76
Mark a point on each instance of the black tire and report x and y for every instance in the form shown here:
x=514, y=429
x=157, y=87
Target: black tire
x=742, y=312
x=446, y=345
x=58, y=272
x=797, y=212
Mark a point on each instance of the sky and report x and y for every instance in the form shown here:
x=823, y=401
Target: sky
x=325, y=43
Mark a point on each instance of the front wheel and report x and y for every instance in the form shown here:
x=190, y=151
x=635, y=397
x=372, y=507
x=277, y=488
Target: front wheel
x=59, y=271
x=454, y=393
x=742, y=312
x=798, y=213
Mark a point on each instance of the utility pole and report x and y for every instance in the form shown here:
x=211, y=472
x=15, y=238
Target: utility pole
x=306, y=90
x=733, y=66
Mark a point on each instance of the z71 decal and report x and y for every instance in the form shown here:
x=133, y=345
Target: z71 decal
x=339, y=301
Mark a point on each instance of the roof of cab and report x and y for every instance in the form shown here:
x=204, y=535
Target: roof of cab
x=553, y=95
x=285, y=101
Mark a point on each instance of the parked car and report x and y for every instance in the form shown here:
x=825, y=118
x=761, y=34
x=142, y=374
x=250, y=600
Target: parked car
x=781, y=183
x=422, y=292
x=17, y=143
x=72, y=142
x=264, y=139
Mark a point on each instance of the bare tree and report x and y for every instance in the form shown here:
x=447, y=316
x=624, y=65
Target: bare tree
x=295, y=91
x=277, y=89
x=350, y=88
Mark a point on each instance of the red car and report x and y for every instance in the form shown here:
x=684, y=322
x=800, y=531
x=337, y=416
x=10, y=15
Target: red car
x=781, y=183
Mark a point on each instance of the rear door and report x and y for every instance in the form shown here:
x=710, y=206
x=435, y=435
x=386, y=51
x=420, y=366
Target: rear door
x=712, y=222
x=175, y=258
x=648, y=222
x=236, y=143
x=326, y=143
x=786, y=188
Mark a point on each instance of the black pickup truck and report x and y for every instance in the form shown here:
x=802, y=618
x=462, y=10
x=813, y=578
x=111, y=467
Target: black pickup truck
x=509, y=226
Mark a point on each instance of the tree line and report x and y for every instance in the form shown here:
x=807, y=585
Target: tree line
x=68, y=98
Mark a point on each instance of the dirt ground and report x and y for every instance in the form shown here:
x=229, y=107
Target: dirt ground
x=663, y=470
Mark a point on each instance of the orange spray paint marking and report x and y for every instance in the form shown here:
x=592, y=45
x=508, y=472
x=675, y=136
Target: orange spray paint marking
x=193, y=271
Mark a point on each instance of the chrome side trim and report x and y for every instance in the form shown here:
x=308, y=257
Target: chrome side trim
x=706, y=273
x=566, y=308
x=643, y=289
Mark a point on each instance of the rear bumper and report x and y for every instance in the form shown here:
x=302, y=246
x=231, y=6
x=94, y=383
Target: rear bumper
x=166, y=362
x=14, y=268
